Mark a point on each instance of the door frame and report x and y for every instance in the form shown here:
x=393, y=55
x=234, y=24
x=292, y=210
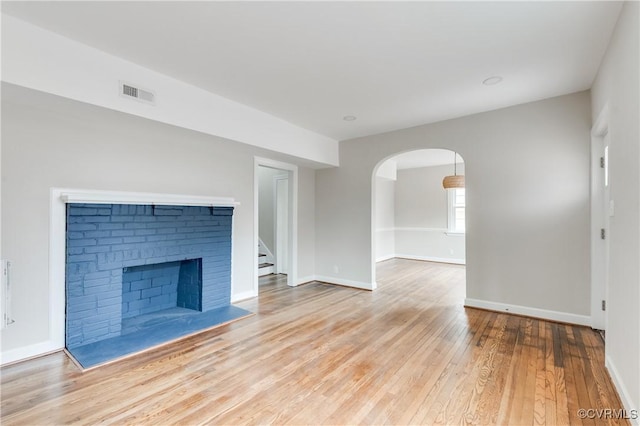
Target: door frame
x=292, y=276
x=277, y=229
x=599, y=258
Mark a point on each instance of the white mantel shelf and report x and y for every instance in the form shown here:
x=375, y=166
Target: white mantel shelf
x=143, y=198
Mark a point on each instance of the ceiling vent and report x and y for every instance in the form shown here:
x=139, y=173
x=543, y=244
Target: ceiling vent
x=133, y=92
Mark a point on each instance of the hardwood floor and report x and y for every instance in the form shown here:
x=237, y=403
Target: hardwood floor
x=408, y=353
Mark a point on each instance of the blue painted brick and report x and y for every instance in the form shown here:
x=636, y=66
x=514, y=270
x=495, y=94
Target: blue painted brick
x=82, y=242
x=82, y=211
x=110, y=226
x=138, y=304
x=130, y=296
x=196, y=232
x=110, y=309
x=140, y=284
x=97, y=249
x=130, y=275
x=167, y=211
x=96, y=282
x=90, y=219
x=122, y=233
x=129, y=240
x=130, y=254
x=95, y=275
x=150, y=292
x=97, y=234
x=82, y=299
x=104, y=301
x=81, y=258
x=102, y=289
x=81, y=307
x=110, y=241
x=121, y=219
x=161, y=281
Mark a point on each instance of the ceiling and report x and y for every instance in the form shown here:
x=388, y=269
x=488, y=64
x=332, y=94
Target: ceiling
x=391, y=65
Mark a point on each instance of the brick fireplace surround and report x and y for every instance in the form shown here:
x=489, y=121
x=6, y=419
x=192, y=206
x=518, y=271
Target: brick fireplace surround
x=126, y=263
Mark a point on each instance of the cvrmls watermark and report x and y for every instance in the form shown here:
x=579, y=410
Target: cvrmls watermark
x=607, y=414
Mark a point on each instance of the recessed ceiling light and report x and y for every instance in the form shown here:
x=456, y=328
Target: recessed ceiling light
x=349, y=118
x=492, y=80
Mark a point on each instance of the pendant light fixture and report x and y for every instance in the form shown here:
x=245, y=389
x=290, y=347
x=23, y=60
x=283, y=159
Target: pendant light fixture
x=456, y=180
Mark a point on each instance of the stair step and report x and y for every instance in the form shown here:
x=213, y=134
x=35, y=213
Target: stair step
x=265, y=265
x=267, y=270
x=262, y=255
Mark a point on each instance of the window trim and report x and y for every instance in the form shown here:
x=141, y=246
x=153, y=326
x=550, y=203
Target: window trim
x=451, y=217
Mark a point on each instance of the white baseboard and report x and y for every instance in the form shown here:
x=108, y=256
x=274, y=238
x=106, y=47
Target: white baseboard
x=347, y=283
x=529, y=312
x=431, y=259
x=622, y=390
x=385, y=257
x=27, y=352
x=243, y=296
x=304, y=280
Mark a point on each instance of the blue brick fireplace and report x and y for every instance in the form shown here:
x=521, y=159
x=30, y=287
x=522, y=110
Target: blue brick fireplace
x=132, y=265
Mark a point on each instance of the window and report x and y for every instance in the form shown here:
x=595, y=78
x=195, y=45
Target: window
x=456, y=211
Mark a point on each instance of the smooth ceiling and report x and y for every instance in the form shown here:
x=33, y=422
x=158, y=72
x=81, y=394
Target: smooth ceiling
x=391, y=64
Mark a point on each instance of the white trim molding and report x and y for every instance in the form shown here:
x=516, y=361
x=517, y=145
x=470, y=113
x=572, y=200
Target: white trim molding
x=304, y=280
x=27, y=352
x=142, y=198
x=616, y=378
x=243, y=296
x=410, y=229
x=432, y=259
x=385, y=257
x=529, y=311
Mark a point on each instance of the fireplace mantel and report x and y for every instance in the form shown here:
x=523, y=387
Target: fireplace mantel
x=143, y=198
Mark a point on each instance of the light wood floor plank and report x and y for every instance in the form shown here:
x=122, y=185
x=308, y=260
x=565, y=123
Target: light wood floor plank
x=408, y=353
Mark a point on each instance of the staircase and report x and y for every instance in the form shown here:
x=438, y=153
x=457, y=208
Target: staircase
x=264, y=267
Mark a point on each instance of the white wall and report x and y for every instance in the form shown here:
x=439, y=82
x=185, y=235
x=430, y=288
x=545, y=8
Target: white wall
x=422, y=216
x=385, y=218
x=527, y=222
x=617, y=85
x=266, y=205
x=49, y=141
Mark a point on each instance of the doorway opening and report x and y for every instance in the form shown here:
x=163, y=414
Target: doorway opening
x=275, y=220
x=413, y=216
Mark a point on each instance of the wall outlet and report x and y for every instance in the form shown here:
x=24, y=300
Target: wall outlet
x=336, y=270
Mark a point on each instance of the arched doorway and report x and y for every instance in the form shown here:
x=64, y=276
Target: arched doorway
x=413, y=216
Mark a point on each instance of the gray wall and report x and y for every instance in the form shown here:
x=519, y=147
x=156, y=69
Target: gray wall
x=617, y=85
x=422, y=215
x=528, y=221
x=420, y=199
x=49, y=141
